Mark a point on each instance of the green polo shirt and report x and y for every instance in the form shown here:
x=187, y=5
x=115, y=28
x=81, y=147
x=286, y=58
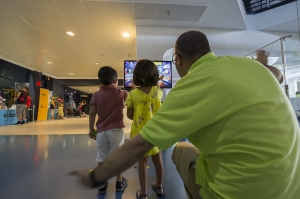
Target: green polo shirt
x=235, y=112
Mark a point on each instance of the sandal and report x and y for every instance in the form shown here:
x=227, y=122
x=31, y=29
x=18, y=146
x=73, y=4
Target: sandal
x=121, y=185
x=155, y=188
x=139, y=195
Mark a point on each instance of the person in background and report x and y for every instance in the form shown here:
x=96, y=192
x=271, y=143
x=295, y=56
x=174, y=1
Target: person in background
x=142, y=103
x=70, y=112
x=244, y=136
x=73, y=105
x=108, y=103
x=83, y=108
x=28, y=103
x=61, y=111
x=52, y=108
x=21, y=106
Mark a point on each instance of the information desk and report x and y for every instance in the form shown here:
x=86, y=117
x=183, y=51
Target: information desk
x=8, y=117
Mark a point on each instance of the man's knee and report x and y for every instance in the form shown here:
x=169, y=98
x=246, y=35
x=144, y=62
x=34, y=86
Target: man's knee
x=184, y=149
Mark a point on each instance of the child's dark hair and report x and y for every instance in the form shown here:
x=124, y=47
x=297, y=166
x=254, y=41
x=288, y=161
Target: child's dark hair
x=107, y=75
x=145, y=73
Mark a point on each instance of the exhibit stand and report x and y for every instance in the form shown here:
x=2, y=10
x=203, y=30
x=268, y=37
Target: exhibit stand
x=8, y=117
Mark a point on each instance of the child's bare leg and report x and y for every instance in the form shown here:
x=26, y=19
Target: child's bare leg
x=119, y=177
x=157, y=161
x=143, y=174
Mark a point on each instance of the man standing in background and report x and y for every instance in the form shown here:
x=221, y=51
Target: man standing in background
x=21, y=105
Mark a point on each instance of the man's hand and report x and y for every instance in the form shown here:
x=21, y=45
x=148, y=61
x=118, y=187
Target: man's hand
x=132, y=149
x=84, y=177
x=91, y=134
x=262, y=56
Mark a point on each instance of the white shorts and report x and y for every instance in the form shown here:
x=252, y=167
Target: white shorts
x=107, y=142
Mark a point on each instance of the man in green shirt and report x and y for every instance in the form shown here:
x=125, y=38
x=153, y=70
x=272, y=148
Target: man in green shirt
x=245, y=137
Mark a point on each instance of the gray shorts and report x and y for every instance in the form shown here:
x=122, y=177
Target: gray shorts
x=21, y=110
x=107, y=142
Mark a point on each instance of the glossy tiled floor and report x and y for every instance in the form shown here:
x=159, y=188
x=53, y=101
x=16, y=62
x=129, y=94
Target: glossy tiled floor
x=35, y=158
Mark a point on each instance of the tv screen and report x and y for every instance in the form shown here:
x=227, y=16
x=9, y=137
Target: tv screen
x=164, y=68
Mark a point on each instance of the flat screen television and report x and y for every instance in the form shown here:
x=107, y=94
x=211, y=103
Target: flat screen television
x=164, y=68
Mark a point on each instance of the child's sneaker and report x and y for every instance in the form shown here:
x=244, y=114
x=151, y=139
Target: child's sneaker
x=102, y=190
x=121, y=185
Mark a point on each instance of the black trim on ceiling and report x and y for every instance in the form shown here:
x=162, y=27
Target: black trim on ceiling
x=83, y=82
x=253, y=7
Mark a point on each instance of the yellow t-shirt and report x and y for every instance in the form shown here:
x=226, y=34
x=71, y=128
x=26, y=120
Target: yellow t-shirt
x=145, y=106
x=235, y=112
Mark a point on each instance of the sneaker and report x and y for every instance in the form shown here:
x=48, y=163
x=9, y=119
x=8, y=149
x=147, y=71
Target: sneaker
x=102, y=190
x=121, y=185
x=22, y=122
x=18, y=123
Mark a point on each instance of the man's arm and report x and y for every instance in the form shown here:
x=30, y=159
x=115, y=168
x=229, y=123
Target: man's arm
x=262, y=57
x=120, y=161
x=276, y=72
x=92, y=116
x=18, y=95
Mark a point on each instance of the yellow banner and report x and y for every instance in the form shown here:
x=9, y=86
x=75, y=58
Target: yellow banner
x=43, y=104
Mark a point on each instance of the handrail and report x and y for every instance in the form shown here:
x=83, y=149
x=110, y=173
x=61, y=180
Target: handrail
x=271, y=43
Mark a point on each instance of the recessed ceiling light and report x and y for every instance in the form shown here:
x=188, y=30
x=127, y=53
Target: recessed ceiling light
x=49, y=62
x=70, y=33
x=97, y=63
x=71, y=74
x=126, y=34
x=90, y=90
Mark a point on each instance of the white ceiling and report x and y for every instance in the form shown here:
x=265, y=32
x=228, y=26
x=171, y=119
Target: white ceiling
x=33, y=32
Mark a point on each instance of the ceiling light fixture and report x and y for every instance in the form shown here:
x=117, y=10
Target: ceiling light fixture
x=71, y=74
x=96, y=63
x=49, y=62
x=126, y=34
x=90, y=90
x=70, y=33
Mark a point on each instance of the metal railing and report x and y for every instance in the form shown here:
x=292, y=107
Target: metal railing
x=257, y=6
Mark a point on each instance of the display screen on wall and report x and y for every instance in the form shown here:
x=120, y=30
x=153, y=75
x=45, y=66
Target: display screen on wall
x=164, y=68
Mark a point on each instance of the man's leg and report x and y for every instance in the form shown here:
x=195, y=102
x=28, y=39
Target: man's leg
x=184, y=156
x=24, y=108
x=19, y=113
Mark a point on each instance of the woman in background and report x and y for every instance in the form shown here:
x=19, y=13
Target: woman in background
x=83, y=108
x=61, y=111
x=52, y=108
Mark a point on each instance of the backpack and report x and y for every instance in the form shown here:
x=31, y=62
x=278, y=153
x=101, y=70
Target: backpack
x=23, y=97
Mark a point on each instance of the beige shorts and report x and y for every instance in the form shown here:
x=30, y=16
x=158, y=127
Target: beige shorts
x=21, y=110
x=184, y=157
x=107, y=142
